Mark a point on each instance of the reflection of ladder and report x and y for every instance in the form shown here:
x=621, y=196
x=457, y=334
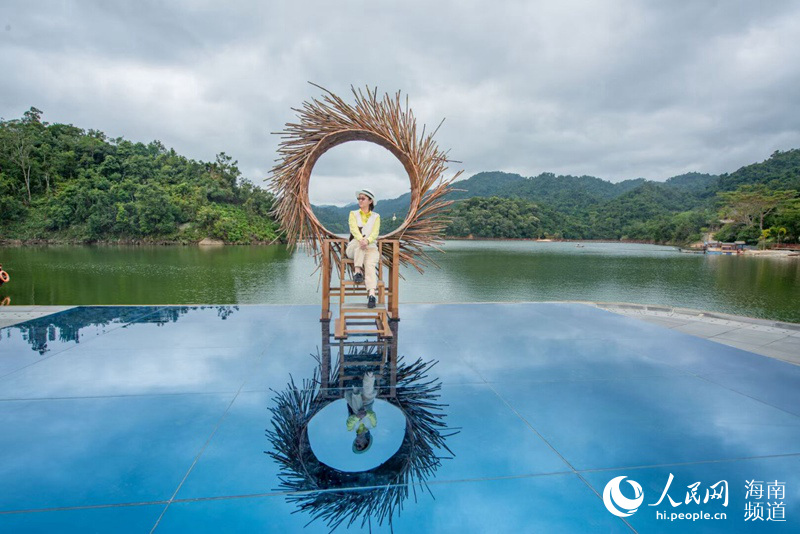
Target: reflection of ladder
x=366, y=333
x=354, y=315
x=356, y=356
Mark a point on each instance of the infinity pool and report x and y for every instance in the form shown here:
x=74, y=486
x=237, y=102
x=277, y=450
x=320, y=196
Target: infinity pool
x=516, y=418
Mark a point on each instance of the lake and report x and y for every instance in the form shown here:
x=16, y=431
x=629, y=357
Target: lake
x=469, y=271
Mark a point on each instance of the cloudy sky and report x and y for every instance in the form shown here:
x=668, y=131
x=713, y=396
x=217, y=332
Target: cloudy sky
x=614, y=89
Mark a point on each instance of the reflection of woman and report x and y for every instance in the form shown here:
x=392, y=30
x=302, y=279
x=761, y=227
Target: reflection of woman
x=365, y=225
x=362, y=417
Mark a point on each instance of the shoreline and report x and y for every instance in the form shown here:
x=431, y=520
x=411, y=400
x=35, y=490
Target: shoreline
x=215, y=242
x=538, y=240
x=208, y=242
x=773, y=253
x=129, y=242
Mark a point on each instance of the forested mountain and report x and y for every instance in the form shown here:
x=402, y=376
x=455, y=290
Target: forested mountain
x=569, y=195
x=679, y=210
x=61, y=183
x=692, y=181
x=780, y=171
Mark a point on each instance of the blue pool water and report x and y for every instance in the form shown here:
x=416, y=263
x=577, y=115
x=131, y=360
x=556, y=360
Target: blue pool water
x=140, y=419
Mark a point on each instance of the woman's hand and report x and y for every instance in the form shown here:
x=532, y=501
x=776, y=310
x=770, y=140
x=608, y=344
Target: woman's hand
x=364, y=242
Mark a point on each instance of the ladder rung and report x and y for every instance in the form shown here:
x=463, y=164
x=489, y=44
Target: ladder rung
x=362, y=307
x=358, y=377
x=339, y=328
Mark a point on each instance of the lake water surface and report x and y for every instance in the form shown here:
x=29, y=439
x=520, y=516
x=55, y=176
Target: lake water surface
x=469, y=271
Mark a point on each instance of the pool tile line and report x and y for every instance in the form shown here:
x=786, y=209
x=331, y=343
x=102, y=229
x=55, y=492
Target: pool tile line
x=172, y=499
x=280, y=493
x=267, y=389
x=519, y=415
x=485, y=381
x=710, y=381
x=561, y=456
x=416, y=484
x=683, y=374
x=199, y=454
x=83, y=507
x=119, y=396
x=762, y=401
x=600, y=497
x=563, y=459
x=696, y=462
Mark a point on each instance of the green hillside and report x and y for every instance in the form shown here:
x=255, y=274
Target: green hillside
x=680, y=210
x=61, y=183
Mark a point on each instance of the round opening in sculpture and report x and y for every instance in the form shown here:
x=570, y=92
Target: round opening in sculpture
x=333, y=444
x=350, y=167
x=361, y=135
x=386, y=122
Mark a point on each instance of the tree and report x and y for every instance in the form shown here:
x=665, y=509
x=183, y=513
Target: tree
x=751, y=203
x=779, y=232
x=765, y=235
x=788, y=218
x=495, y=217
x=19, y=141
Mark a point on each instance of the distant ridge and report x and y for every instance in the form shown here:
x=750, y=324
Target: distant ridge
x=586, y=207
x=571, y=194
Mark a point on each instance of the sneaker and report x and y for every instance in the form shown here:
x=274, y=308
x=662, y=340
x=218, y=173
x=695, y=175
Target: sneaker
x=371, y=301
x=358, y=278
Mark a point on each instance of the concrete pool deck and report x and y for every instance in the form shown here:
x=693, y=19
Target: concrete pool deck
x=775, y=339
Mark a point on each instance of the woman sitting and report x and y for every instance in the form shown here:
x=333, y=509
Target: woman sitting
x=365, y=225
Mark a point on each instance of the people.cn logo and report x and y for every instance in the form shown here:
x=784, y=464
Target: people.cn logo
x=617, y=503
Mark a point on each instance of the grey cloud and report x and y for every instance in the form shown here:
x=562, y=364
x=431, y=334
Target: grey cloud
x=616, y=89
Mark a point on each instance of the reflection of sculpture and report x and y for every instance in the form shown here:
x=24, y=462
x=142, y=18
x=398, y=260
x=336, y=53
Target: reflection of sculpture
x=346, y=497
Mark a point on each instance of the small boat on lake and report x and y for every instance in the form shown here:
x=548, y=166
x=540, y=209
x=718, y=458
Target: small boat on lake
x=727, y=249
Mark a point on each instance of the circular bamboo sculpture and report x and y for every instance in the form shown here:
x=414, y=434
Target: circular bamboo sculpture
x=331, y=121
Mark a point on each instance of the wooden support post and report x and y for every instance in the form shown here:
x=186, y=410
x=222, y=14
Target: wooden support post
x=394, y=324
x=394, y=275
x=325, y=356
x=326, y=280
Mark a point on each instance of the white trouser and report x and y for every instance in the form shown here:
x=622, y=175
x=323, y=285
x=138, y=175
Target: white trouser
x=367, y=260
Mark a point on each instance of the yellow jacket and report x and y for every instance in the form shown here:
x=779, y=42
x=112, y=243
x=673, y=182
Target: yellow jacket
x=358, y=219
x=369, y=421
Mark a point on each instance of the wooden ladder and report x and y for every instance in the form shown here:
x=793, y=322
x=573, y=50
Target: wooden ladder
x=355, y=317
x=366, y=337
